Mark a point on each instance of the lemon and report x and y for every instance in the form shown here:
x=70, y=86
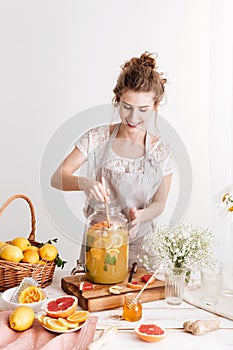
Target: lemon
x=48, y=252
x=21, y=318
x=21, y=242
x=31, y=256
x=33, y=247
x=2, y=244
x=11, y=253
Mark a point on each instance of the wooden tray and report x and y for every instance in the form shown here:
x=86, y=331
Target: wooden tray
x=100, y=299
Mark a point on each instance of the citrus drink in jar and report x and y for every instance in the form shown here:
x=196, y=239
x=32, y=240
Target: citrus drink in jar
x=107, y=247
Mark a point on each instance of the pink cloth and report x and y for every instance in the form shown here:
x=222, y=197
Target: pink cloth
x=38, y=338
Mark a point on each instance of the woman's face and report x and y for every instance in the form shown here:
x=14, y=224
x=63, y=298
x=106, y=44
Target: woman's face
x=135, y=108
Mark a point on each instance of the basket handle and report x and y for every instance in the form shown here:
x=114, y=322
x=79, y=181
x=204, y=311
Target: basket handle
x=33, y=219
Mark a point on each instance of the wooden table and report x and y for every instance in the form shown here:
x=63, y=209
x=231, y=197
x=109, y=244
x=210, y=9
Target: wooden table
x=169, y=317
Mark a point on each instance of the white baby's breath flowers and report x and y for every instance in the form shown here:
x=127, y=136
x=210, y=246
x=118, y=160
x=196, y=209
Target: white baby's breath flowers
x=226, y=205
x=182, y=245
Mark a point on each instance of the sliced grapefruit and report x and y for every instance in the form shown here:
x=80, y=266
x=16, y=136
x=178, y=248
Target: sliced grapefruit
x=61, y=306
x=150, y=332
x=146, y=278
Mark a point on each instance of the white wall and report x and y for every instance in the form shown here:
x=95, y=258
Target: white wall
x=61, y=57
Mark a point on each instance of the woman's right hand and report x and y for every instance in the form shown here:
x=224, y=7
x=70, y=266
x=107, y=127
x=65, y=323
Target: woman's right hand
x=93, y=189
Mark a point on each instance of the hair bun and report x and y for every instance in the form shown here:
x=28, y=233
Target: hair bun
x=145, y=60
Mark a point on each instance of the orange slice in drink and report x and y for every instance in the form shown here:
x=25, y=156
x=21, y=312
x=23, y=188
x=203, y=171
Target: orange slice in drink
x=78, y=316
x=97, y=253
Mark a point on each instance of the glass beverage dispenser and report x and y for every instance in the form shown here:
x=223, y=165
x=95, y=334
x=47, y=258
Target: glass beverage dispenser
x=107, y=246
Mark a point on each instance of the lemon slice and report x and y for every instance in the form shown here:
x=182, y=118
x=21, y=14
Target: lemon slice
x=66, y=323
x=105, y=243
x=113, y=252
x=40, y=319
x=117, y=240
x=55, y=325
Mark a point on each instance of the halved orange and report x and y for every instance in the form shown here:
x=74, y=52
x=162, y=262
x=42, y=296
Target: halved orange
x=78, y=316
x=150, y=332
x=30, y=294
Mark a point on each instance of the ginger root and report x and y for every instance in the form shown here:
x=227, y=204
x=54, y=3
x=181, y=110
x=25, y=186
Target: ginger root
x=200, y=327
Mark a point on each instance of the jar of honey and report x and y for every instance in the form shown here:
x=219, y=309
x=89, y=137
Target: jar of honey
x=132, y=308
x=107, y=246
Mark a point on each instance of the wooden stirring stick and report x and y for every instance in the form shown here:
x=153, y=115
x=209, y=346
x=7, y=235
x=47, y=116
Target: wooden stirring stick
x=106, y=203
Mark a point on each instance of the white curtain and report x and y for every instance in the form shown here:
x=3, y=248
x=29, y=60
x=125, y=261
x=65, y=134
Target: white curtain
x=221, y=117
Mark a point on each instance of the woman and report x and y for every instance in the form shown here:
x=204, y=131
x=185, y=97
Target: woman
x=136, y=165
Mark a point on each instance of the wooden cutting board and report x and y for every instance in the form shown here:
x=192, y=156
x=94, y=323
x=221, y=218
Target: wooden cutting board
x=101, y=299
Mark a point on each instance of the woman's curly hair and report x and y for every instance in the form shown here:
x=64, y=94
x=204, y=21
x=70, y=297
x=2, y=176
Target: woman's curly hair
x=140, y=75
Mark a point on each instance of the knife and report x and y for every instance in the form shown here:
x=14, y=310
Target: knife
x=132, y=271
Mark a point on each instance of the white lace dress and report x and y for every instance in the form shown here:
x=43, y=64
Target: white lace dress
x=132, y=181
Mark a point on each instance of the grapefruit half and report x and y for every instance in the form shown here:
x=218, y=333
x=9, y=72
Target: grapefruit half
x=149, y=332
x=62, y=306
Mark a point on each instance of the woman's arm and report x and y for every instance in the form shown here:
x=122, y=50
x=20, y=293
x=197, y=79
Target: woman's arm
x=65, y=180
x=154, y=209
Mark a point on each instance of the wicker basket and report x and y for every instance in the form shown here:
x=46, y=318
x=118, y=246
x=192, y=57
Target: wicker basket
x=11, y=273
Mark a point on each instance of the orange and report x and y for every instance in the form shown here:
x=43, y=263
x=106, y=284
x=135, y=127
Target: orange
x=30, y=294
x=78, y=316
x=150, y=332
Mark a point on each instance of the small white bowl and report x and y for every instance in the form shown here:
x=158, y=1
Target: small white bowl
x=6, y=296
